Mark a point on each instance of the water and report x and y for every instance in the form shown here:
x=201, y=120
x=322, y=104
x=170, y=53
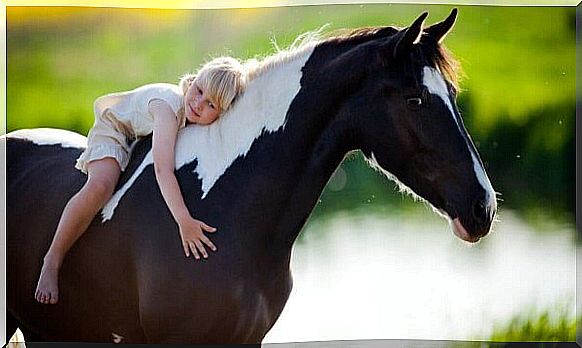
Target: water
x=408, y=277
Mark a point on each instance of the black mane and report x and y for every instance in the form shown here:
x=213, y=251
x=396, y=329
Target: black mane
x=429, y=51
x=359, y=35
x=439, y=56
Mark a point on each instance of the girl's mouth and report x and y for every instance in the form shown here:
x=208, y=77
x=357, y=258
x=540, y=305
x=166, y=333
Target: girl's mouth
x=193, y=111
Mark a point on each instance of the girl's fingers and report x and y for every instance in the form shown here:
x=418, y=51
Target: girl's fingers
x=208, y=242
x=195, y=244
x=207, y=228
x=201, y=249
x=194, y=251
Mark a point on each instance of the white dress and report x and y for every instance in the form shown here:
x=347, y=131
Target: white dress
x=122, y=117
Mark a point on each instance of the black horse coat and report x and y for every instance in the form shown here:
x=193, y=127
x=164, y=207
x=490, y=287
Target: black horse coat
x=256, y=175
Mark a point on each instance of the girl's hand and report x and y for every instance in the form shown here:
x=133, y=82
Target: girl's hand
x=193, y=238
x=163, y=146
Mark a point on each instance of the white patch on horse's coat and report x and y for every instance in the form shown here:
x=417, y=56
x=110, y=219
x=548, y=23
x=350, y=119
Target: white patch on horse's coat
x=485, y=183
x=117, y=338
x=434, y=81
x=50, y=136
x=107, y=211
x=261, y=109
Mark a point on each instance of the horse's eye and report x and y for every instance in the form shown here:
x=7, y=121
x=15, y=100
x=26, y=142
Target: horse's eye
x=414, y=102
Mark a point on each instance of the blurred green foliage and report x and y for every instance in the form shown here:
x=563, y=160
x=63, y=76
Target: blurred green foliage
x=539, y=328
x=518, y=97
x=552, y=325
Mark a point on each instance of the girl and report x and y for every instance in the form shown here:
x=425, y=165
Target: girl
x=161, y=109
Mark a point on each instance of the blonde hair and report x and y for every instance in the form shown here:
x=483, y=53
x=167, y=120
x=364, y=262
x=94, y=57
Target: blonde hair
x=222, y=78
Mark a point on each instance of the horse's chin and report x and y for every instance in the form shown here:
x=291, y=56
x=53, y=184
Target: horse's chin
x=462, y=233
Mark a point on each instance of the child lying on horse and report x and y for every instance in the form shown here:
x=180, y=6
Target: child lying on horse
x=162, y=110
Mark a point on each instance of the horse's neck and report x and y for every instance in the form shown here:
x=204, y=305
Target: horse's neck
x=322, y=158
x=313, y=142
x=261, y=109
x=288, y=119
x=288, y=88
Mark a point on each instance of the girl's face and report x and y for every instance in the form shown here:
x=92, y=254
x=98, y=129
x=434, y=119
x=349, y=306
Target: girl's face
x=198, y=107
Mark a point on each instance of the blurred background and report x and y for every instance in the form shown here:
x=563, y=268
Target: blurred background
x=371, y=263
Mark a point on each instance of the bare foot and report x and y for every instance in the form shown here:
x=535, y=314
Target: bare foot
x=47, y=290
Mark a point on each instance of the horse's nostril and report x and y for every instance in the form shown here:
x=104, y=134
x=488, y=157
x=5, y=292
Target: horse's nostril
x=480, y=212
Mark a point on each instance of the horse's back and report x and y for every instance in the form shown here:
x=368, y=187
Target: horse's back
x=136, y=256
x=44, y=151
x=41, y=178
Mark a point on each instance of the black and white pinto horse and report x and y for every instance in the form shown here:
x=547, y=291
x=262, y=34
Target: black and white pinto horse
x=256, y=174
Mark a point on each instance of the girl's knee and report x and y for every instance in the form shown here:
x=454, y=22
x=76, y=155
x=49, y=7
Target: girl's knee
x=103, y=176
x=99, y=188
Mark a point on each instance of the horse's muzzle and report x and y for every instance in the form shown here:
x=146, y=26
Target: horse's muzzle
x=462, y=233
x=478, y=224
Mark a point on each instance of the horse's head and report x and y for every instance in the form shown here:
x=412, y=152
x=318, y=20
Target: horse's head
x=407, y=123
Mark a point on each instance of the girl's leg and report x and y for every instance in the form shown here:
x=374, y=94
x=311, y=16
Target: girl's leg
x=102, y=178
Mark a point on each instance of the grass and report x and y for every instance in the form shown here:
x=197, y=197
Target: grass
x=550, y=325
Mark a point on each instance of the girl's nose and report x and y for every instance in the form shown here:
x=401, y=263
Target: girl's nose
x=196, y=103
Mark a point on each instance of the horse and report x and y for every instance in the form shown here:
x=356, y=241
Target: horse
x=256, y=174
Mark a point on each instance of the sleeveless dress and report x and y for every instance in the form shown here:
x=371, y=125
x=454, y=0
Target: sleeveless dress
x=121, y=118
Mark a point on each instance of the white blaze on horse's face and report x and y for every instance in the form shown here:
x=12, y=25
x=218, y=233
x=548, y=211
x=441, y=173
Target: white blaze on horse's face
x=261, y=109
x=434, y=81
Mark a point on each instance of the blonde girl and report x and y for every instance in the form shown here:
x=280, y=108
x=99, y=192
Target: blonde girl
x=161, y=109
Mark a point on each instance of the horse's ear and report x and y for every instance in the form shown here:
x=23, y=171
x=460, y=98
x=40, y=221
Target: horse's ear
x=440, y=30
x=409, y=36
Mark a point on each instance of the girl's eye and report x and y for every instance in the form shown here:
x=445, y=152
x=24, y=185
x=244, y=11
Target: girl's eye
x=211, y=105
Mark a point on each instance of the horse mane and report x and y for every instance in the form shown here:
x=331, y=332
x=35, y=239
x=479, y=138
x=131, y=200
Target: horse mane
x=430, y=51
x=302, y=44
x=359, y=35
x=439, y=56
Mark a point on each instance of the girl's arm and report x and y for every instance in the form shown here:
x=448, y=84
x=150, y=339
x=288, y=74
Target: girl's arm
x=164, y=141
